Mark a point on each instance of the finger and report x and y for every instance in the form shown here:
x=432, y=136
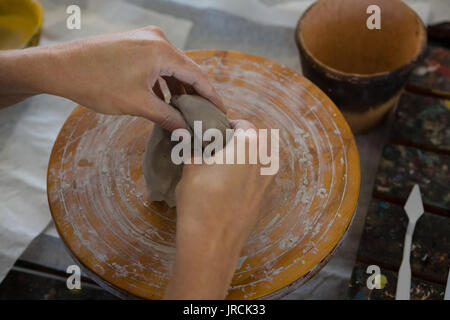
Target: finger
x=187, y=71
x=158, y=91
x=156, y=110
x=165, y=89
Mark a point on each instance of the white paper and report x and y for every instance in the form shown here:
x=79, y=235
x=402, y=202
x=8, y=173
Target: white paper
x=29, y=129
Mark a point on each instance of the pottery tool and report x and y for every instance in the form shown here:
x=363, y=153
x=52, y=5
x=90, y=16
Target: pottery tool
x=414, y=210
x=96, y=188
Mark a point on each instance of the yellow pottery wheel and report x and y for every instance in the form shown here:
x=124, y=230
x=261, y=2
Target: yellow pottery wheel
x=96, y=189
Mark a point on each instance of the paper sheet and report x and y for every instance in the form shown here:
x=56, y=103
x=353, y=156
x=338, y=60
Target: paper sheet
x=29, y=129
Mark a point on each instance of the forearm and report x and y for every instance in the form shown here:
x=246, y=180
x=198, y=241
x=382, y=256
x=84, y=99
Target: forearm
x=27, y=72
x=204, y=264
x=19, y=73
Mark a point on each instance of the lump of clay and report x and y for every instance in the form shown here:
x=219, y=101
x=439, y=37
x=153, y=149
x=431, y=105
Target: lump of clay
x=160, y=173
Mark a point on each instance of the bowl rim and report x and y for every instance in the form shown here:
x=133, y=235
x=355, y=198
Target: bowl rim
x=342, y=74
x=35, y=8
x=39, y=13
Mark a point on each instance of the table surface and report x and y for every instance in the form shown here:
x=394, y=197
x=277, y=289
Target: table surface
x=418, y=152
x=41, y=270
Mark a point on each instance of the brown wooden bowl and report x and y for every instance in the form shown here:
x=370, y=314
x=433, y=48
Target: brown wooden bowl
x=363, y=71
x=97, y=197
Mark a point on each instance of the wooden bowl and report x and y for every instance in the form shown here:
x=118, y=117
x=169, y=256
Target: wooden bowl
x=97, y=197
x=363, y=71
x=20, y=23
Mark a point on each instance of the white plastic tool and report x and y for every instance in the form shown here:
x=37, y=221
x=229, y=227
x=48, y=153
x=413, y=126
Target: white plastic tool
x=414, y=210
x=447, y=289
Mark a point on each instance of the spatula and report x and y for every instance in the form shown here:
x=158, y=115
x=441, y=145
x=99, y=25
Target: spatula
x=447, y=288
x=414, y=209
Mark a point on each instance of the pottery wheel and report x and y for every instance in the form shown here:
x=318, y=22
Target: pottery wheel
x=96, y=188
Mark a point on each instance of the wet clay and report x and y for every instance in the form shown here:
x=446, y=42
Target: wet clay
x=160, y=173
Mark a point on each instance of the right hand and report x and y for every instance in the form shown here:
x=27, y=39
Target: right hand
x=218, y=206
x=222, y=198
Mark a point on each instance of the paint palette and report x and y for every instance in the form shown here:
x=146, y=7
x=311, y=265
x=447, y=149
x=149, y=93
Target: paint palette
x=96, y=188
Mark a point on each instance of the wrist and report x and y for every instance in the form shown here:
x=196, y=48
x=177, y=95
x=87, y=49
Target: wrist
x=33, y=71
x=224, y=235
x=19, y=72
x=205, y=262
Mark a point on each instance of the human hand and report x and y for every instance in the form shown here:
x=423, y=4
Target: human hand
x=218, y=206
x=112, y=74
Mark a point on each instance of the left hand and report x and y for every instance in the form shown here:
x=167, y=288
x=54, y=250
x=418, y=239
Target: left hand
x=112, y=74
